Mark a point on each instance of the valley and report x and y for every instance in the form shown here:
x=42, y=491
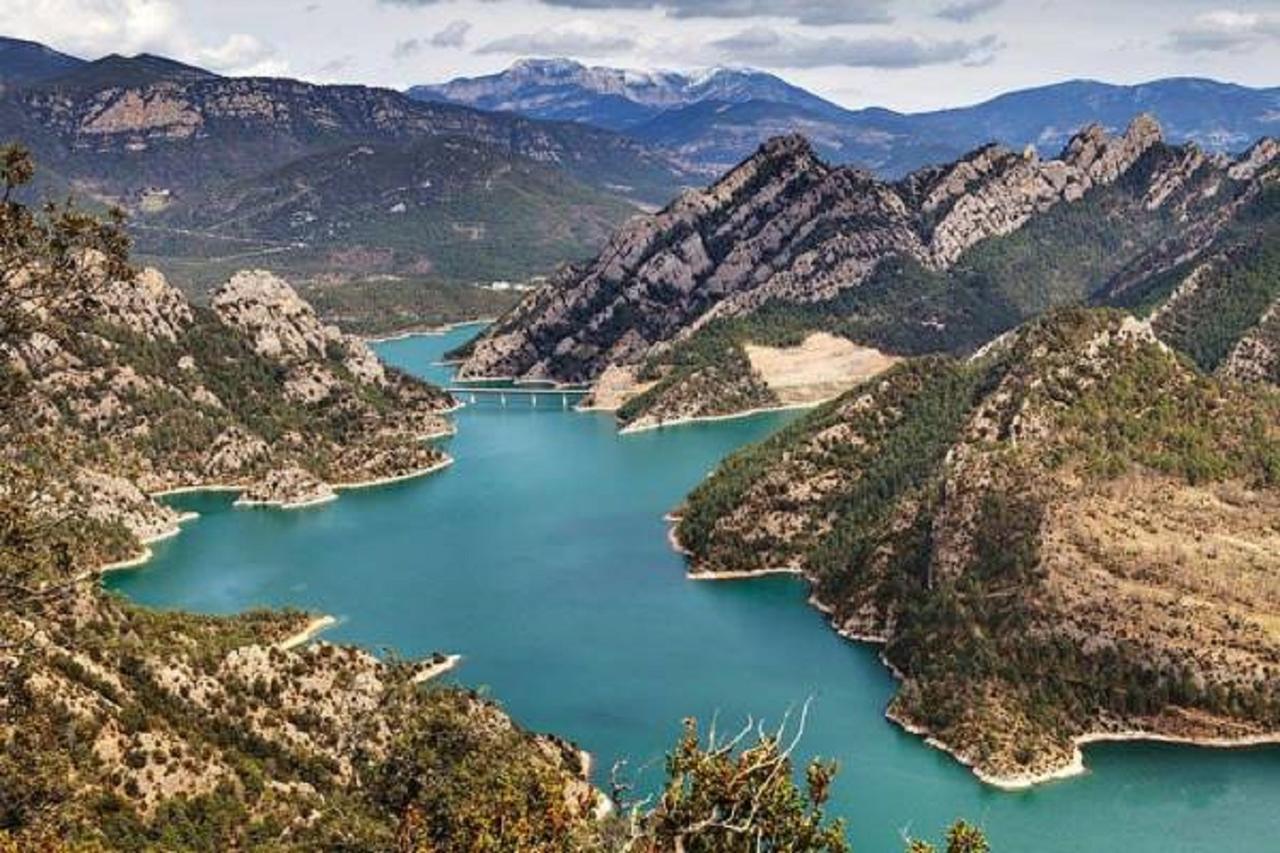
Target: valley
x=327, y=185
x=365, y=442
x=611, y=598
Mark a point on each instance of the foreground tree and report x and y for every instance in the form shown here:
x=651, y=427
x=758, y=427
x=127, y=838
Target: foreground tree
x=963, y=837
x=723, y=797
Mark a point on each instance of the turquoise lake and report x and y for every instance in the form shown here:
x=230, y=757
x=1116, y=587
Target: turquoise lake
x=541, y=556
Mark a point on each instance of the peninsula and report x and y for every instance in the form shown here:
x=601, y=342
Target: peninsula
x=1070, y=538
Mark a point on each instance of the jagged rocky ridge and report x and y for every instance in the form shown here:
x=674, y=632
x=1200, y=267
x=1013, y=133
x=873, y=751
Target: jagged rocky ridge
x=1214, y=293
x=254, y=392
x=1069, y=536
x=942, y=260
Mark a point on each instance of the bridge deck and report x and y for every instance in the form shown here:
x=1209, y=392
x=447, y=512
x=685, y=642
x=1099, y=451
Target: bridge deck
x=521, y=392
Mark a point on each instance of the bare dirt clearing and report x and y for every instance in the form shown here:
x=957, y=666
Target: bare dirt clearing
x=822, y=367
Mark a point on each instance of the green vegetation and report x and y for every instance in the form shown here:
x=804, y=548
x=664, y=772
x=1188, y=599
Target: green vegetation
x=251, y=392
x=440, y=209
x=721, y=798
x=375, y=307
x=929, y=399
x=918, y=508
x=1193, y=430
x=1229, y=300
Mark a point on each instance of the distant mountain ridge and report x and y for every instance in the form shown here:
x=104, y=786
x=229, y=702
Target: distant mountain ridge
x=130, y=122
x=23, y=61
x=717, y=119
x=614, y=98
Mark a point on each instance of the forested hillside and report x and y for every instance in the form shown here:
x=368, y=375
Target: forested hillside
x=1069, y=536
x=324, y=184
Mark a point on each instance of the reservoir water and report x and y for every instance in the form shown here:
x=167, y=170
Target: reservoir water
x=541, y=556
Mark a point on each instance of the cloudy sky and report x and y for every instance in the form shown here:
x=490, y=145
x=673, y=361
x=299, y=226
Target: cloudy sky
x=903, y=54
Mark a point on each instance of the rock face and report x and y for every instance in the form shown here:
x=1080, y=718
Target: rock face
x=254, y=392
x=783, y=226
x=330, y=715
x=287, y=488
x=1070, y=535
x=147, y=306
x=284, y=328
x=1256, y=356
x=941, y=260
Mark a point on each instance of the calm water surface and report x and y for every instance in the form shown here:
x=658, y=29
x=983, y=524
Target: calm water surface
x=541, y=556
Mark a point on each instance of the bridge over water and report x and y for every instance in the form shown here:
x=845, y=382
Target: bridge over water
x=503, y=396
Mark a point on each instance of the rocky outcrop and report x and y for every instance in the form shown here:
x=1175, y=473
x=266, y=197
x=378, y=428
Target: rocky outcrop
x=285, y=328
x=254, y=393
x=785, y=228
x=1260, y=157
x=104, y=497
x=994, y=191
x=148, y=306
x=1256, y=356
x=287, y=488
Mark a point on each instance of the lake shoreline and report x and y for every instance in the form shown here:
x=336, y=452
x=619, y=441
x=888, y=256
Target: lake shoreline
x=635, y=429
x=146, y=554
x=431, y=671
x=310, y=631
x=1010, y=782
x=425, y=331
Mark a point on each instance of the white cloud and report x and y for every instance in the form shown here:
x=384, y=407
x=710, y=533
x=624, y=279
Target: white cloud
x=454, y=35
x=1036, y=42
x=1226, y=30
x=780, y=49
x=94, y=28
x=816, y=12
x=240, y=54
x=575, y=38
x=963, y=11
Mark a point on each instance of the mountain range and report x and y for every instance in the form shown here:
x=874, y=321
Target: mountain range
x=326, y=183
x=787, y=246
x=1045, y=477
x=717, y=118
x=615, y=98
x=385, y=207
x=1028, y=498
